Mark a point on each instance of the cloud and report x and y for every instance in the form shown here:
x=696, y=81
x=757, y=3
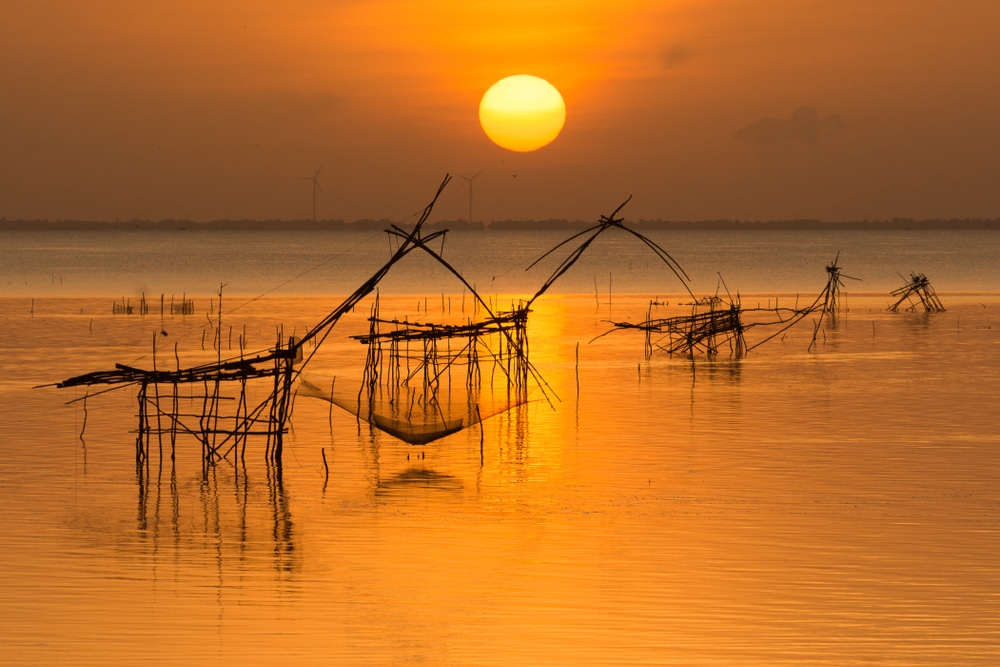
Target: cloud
x=804, y=126
x=675, y=56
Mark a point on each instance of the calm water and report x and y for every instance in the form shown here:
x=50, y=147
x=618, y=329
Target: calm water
x=838, y=506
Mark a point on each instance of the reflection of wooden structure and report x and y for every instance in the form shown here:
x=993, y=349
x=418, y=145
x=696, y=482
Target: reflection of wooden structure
x=229, y=513
x=917, y=291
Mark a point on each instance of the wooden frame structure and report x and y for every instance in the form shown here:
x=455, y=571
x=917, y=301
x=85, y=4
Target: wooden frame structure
x=917, y=291
x=409, y=380
x=590, y=235
x=828, y=301
x=715, y=322
x=226, y=382
x=711, y=324
x=219, y=408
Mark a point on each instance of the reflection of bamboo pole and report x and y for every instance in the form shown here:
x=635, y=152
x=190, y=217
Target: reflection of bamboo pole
x=139, y=450
x=482, y=435
x=156, y=399
x=83, y=426
x=578, y=371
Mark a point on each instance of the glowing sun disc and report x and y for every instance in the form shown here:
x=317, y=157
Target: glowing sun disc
x=522, y=113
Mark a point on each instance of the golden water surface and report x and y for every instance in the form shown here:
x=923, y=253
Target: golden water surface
x=838, y=506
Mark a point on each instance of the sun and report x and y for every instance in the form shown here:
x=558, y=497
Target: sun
x=522, y=113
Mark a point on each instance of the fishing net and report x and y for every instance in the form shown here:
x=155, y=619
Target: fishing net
x=411, y=414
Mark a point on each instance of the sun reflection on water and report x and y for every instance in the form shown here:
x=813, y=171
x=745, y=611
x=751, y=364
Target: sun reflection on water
x=788, y=507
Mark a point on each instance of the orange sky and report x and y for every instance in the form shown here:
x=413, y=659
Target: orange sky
x=115, y=109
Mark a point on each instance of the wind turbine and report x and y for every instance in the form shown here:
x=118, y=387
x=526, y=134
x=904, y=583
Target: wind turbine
x=315, y=181
x=469, y=180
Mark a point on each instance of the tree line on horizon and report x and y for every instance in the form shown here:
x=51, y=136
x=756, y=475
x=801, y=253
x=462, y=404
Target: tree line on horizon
x=368, y=224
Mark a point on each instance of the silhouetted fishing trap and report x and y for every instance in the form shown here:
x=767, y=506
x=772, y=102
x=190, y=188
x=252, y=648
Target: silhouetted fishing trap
x=715, y=323
x=422, y=381
x=222, y=404
x=712, y=324
x=409, y=366
x=401, y=352
x=917, y=292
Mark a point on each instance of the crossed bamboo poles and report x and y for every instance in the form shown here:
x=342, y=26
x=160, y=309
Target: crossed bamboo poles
x=287, y=360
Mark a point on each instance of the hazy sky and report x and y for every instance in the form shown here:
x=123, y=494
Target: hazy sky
x=750, y=109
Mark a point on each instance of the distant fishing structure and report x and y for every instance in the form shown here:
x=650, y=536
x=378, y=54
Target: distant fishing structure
x=702, y=330
x=828, y=301
x=125, y=307
x=715, y=322
x=917, y=292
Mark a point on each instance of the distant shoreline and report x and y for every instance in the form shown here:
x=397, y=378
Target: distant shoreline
x=496, y=225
